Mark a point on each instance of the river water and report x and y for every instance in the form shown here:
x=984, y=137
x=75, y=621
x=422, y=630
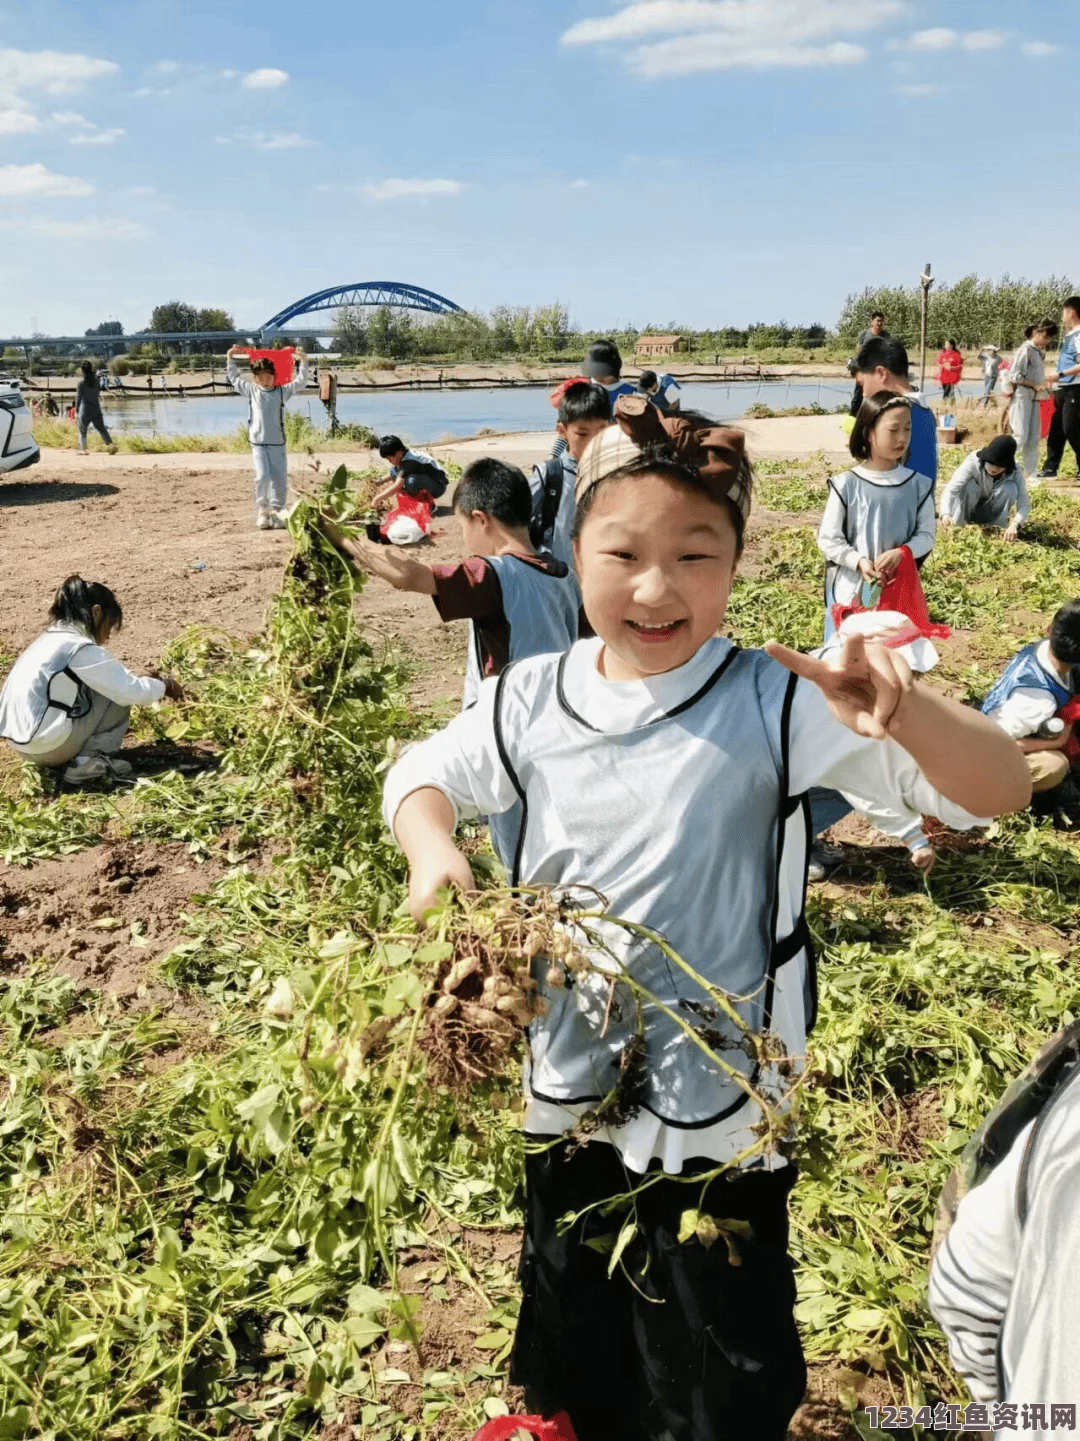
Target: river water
x=425, y=416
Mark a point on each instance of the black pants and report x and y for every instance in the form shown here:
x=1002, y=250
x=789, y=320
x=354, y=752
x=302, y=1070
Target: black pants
x=678, y=1339
x=947, y=392
x=856, y=400
x=1064, y=427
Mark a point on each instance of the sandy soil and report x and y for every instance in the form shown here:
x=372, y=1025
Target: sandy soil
x=173, y=535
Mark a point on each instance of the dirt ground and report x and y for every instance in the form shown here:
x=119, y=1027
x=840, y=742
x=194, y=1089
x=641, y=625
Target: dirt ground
x=174, y=536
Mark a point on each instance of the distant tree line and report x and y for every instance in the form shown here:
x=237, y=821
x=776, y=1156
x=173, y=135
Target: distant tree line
x=972, y=312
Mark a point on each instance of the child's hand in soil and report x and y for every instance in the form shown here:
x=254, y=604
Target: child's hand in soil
x=864, y=684
x=925, y=858
x=442, y=864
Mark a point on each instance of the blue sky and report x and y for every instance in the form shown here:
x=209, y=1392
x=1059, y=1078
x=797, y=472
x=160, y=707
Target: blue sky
x=697, y=161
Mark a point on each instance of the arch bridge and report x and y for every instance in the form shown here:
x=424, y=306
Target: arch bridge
x=368, y=292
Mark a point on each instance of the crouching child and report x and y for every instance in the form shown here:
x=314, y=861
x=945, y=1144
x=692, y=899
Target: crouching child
x=1032, y=701
x=67, y=702
x=667, y=769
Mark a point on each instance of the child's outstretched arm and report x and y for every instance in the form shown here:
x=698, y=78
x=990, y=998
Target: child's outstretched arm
x=388, y=491
x=401, y=571
x=424, y=827
x=455, y=773
x=300, y=379
x=962, y=754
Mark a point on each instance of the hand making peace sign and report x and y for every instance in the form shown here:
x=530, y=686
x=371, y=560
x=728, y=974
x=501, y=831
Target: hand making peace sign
x=864, y=684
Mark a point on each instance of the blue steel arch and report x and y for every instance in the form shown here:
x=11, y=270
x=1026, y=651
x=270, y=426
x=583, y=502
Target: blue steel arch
x=368, y=292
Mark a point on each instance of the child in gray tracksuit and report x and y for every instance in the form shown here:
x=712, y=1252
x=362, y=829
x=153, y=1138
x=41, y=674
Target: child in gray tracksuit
x=266, y=432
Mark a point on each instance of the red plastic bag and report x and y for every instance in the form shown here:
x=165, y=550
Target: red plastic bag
x=560, y=390
x=419, y=508
x=1070, y=713
x=903, y=593
x=1046, y=416
x=504, y=1428
x=281, y=360
x=71, y=412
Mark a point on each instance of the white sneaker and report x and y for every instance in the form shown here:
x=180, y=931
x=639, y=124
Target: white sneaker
x=86, y=768
x=278, y=520
x=264, y=520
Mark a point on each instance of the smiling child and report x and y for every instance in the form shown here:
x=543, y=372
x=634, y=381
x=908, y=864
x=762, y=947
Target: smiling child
x=666, y=768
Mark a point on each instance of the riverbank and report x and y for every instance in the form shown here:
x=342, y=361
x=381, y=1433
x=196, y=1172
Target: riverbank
x=206, y=383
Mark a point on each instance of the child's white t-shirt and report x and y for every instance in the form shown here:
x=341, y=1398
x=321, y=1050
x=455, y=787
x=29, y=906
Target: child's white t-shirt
x=464, y=761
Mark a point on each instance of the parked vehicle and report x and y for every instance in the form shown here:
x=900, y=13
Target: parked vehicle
x=18, y=448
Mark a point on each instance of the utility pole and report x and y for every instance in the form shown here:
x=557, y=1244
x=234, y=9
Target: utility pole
x=926, y=280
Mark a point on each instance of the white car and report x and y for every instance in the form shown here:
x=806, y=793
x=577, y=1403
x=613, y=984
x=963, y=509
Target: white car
x=18, y=448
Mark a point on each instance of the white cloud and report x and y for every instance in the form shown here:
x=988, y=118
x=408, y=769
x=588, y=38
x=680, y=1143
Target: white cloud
x=983, y=40
x=167, y=67
x=54, y=71
x=265, y=140
x=940, y=38
x=411, y=189
x=725, y=34
x=96, y=136
x=71, y=117
x=92, y=228
x=18, y=122
x=18, y=180
x=228, y=74
x=579, y=184
x=1038, y=49
x=267, y=79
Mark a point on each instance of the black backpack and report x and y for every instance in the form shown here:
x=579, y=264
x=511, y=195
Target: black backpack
x=547, y=507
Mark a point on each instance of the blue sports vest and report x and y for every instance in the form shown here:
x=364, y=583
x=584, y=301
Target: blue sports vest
x=1025, y=673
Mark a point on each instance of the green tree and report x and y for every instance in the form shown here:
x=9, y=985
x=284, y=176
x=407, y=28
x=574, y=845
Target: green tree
x=350, y=329
x=107, y=327
x=214, y=319
x=174, y=316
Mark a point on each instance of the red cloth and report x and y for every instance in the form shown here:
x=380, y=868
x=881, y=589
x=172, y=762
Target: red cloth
x=1046, y=417
x=950, y=364
x=415, y=507
x=904, y=593
x=560, y=390
x=281, y=360
x=503, y=1428
x=1070, y=713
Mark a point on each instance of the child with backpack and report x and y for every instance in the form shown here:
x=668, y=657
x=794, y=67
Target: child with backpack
x=1040, y=682
x=876, y=507
x=665, y=770
x=584, y=411
x=518, y=603
x=266, y=430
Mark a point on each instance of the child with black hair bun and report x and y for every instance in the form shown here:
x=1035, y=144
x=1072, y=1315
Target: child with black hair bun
x=876, y=507
x=67, y=701
x=665, y=770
